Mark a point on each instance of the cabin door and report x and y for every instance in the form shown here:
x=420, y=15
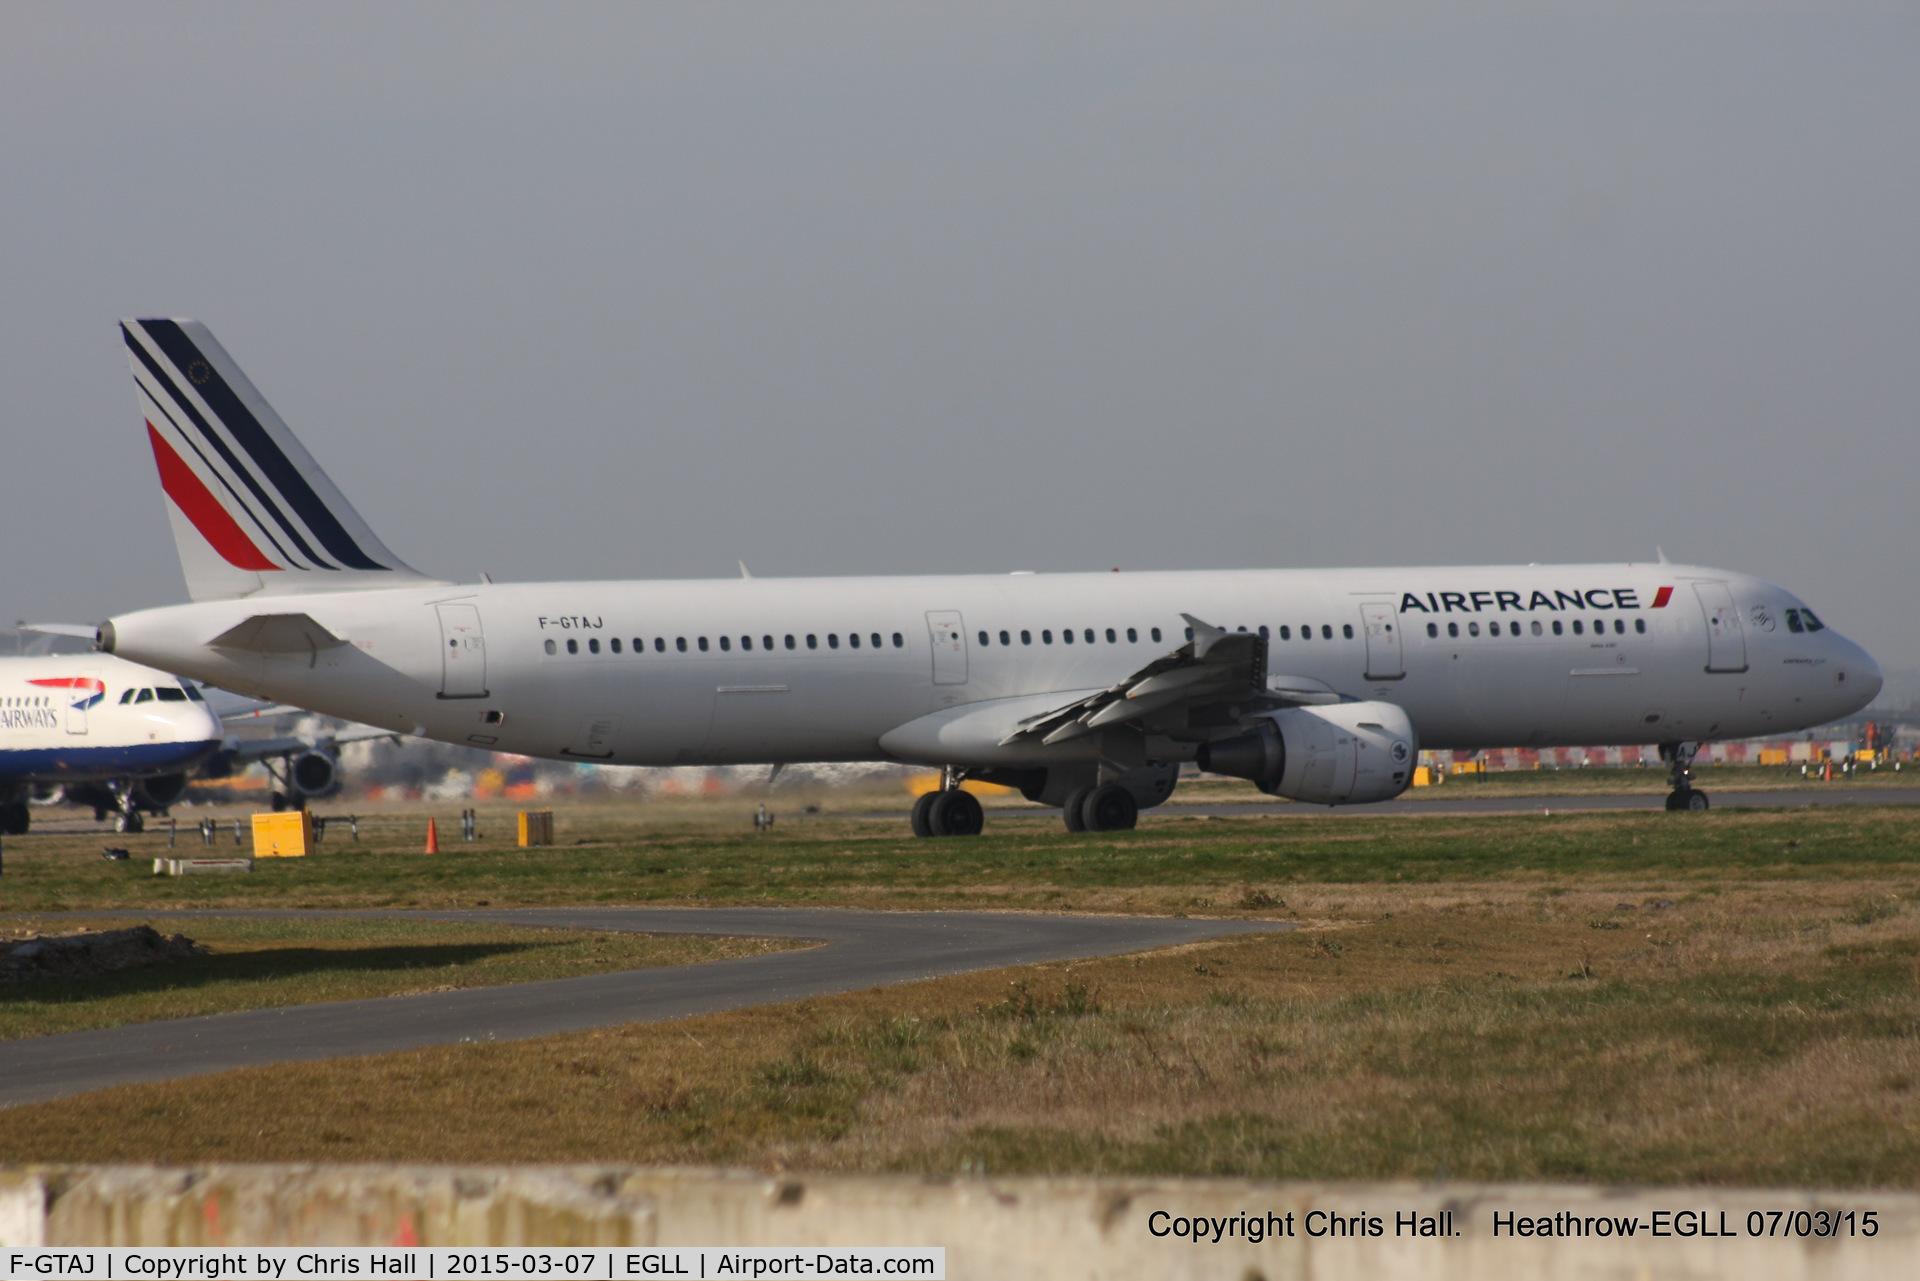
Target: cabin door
x=463, y=652
x=1726, y=639
x=948, y=636
x=1383, y=641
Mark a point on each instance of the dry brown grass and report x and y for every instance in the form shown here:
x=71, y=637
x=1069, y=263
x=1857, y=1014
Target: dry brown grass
x=1765, y=1033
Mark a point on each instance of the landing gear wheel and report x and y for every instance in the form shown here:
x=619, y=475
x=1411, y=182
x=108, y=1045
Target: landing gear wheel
x=922, y=809
x=129, y=821
x=956, y=814
x=1074, y=811
x=1696, y=801
x=1686, y=799
x=1110, y=808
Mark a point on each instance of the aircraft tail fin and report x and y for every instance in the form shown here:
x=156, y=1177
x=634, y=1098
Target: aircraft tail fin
x=252, y=512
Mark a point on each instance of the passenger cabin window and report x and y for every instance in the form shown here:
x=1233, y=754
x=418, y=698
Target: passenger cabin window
x=1286, y=633
x=680, y=643
x=746, y=642
x=789, y=640
x=1156, y=633
x=1579, y=628
x=573, y=646
x=1026, y=637
x=813, y=642
x=1066, y=637
x=1263, y=632
x=833, y=640
x=660, y=645
x=766, y=643
x=983, y=639
x=639, y=645
x=1639, y=625
x=1453, y=629
x=1346, y=630
x=726, y=643
x=853, y=639
x=1619, y=627
x=1133, y=636
x=1433, y=630
x=1087, y=635
x=1111, y=638
x=1473, y=629
x=1557, y=627
x=702, y=643
x=1046, y=636
x=1326, y=631
x=1536, y=627
x=1005, y=639
x=614, y=644
x=900, y=642
x=593, y=646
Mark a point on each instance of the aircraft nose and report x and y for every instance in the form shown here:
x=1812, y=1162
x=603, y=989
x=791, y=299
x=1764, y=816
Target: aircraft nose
x=1859, y=674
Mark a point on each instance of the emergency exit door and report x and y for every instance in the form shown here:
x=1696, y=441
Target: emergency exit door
x=948, y=636
x=1726, y=638
x=463, y=652
x=1383, y=641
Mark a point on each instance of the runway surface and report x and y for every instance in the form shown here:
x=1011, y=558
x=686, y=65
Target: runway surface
x=1441, y=806
x=859, y=950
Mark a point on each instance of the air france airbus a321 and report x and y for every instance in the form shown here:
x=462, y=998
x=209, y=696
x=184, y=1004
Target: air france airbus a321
x=1085, y=691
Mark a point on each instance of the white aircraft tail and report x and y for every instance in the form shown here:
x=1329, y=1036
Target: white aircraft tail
x=251, y=511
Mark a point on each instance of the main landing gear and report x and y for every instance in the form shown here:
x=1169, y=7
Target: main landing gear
x=949, y=811
x=1679, y=757
x=1106, y=808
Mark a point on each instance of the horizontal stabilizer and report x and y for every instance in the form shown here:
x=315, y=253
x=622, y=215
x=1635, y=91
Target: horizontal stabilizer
x=277, y=634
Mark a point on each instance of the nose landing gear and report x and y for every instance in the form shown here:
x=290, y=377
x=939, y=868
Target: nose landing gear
x=1679, y=757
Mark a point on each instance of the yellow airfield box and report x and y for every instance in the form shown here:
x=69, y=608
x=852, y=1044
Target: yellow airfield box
x=536, y=827
x=288, y=835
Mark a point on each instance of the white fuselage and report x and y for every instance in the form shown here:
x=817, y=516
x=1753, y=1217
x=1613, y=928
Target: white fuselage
x=765, y=670
x=86, y=717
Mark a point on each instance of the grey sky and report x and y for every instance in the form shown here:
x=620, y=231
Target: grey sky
x=634, y=291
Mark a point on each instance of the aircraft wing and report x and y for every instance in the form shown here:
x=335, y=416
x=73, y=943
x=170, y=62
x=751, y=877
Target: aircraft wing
x=1215, y=667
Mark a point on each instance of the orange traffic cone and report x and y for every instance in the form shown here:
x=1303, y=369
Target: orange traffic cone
x=433, y=838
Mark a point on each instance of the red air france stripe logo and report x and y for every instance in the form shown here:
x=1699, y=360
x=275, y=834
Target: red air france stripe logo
x=1661, y=597
x=91, y=691
x=194, y=499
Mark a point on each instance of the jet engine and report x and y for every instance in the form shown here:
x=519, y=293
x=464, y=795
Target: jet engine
x=314, y=773
x=160, y=791
x=1339, y=754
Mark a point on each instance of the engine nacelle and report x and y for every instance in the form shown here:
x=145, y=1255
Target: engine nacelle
x=314, y=773
x=1340, y=754
x=160, y=791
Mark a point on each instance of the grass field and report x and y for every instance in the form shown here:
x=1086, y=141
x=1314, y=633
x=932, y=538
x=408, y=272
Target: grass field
x=694, y=854
x=1731, y=998
x=259, y=964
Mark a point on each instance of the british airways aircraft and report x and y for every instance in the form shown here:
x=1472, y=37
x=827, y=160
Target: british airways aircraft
x=112, y=734
x=1085, y=691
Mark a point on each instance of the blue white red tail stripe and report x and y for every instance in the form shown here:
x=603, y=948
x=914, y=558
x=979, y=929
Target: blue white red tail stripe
x=241, y=486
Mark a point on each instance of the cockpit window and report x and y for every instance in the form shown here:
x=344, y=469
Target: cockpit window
x=171, y=694
x=193, y=695
x=1813, y=624
x=144, y=696
x=127, y=697
x=1793, y=621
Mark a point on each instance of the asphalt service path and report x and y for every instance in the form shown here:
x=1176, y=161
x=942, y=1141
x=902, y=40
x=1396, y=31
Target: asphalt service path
x=857, y=950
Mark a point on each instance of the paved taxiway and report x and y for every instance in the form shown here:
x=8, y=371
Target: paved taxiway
x=859, y=950
x=1442, y=806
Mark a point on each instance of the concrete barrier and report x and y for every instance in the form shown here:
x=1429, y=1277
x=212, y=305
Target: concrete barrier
x=995, y=1228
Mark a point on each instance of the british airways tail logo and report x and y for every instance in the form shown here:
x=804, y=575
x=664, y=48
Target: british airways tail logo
x=90, y=690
